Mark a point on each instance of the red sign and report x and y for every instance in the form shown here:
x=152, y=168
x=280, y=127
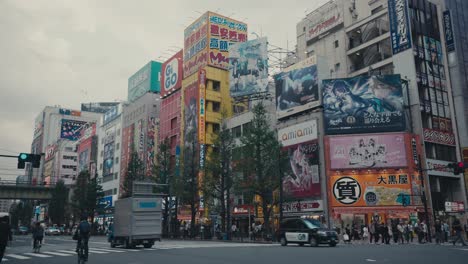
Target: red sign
x=171, y=72
x=439, y=137
x=243, y=209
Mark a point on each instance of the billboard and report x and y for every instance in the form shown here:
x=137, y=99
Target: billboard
x=111, y=114
x=369, y=189
x=191, y=93
x=172, y=70
x=439, y=168
x=195, y=45
x=50, y=152
x=151, y=144
x=147, y=79
x=248, y=67
x=108, y=166
x=83, y=160
x=71, y=129
x=363, y=104
x=99, y=107
x=223, y=32
x=439, y=137
x=139, y=139
x=332, y=19
x=127, y=144
x=448, y=30
x=367, y=151
x=201, y=105
x=298, y=133
x=400, y=32
x=297, y=88
x=302, y=177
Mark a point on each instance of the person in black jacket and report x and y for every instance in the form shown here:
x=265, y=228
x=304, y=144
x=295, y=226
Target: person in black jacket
x=5, y=235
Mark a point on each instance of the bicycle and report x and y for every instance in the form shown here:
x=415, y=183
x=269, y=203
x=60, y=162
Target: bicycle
x=82, y=253
x=37, y=244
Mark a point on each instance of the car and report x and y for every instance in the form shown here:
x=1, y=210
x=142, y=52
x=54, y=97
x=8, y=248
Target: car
x=52, y=231
x=23, y=230
x=306, y=231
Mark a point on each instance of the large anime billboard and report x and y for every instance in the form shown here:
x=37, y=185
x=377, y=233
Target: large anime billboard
x=363, y=104
x=71, y=129
x=248, y=67
x=297, y=88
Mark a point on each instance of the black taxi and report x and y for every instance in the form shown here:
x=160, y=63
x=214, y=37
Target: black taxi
x=306, y=231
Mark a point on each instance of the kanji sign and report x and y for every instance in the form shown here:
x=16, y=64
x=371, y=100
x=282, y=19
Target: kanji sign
x=347, y=190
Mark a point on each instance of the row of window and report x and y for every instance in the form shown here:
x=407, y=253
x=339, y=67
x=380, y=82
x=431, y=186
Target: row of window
x=110, y=192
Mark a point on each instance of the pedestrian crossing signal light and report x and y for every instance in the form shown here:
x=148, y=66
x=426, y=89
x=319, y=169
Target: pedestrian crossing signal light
x=35, y=159
x=458, y=167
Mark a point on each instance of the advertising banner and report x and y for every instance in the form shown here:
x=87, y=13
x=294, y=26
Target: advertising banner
x=367, y=151
x=191, y=94
x=139, y=138
x=448, y=29
x=333, y=19
x=400, y=32
x=302, y=175
x=454, y=207
x=201, y=105
x=297, y=88
x=369, y=189
x=223, y=32
x=298, y=133
x=110, y=115
x=172, y=71
x=71, y=129
x=151, y=144
x=439, y=168
x=83, y=160
x=303, y=206
x=108, y=166
x=64, y=111
x=439, y=137
x=363, y=104
x=248, y=67
x=196, y=45
x=50, y=152
x=127, y=142
x=147, y=79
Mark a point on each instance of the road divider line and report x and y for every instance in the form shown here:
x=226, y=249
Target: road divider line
x=110, y=250
x=97, y=252
x=57, y=254
x=17, y=256
x=371, y=260
x=67, y=251
x=37, y=255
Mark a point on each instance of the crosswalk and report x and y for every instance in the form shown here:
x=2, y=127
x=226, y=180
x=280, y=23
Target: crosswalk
x=50, y=253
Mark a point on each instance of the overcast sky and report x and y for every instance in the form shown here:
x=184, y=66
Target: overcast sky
x=64, y=52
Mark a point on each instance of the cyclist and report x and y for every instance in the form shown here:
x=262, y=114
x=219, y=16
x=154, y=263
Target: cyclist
x=82, y=233
x=38, y=235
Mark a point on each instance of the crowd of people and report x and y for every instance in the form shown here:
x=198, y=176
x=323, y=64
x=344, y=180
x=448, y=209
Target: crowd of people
x=401, y=231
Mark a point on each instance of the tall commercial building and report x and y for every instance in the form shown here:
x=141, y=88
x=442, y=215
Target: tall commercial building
x=60, y=127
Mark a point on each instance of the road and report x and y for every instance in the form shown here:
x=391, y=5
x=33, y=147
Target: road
x=59, y=250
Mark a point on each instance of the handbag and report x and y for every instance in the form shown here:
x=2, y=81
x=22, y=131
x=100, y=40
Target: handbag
x=345, y=237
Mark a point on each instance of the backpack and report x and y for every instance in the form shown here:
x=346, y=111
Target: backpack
x=84, y=228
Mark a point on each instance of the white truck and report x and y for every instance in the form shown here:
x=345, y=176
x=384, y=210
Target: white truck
x=137, y=221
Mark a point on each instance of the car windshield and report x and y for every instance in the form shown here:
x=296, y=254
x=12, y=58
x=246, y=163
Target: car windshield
x=312, y=223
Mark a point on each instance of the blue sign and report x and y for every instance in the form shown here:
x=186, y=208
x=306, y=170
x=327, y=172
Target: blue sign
x=147, y=204
x=106, y=201
x=111, y=114
x=448, y=29
x=400, y=32
x=363, y=104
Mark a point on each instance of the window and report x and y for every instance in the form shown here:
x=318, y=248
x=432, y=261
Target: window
x=115, y=191
x=216, y=107
x=216, y=86
x=117, y=146
x=337, y=67
x=337, y=44
x=237, y=132
x=116, y=160
x=173, y=123
x=215, y=128
x=246, y=127
x=116, y=175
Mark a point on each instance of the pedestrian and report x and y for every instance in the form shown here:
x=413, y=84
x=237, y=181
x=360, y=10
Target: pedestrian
x=401, y=232
x=5, y=235
x=446, y=231
x=347, y=235
x=424, y=230
x=457, y=229
x=377, y=232
x=411, y=231
x=419, y=232
x=384, y=233
x=365, y=234
x=371, y=231
x=438, y=232
x=234, y=230
x=394, y=232
x=38, y=235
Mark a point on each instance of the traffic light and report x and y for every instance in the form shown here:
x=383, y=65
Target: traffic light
x=458, y=167
x=35, y=159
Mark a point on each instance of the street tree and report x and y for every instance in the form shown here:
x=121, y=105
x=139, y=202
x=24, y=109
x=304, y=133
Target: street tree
x=260, y=163
x=59, y=203
x=21, y=213
x=87, y=194
x=218, y=182
x=135, y=172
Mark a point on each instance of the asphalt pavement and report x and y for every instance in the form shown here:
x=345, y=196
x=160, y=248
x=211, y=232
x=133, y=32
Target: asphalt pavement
x=60, y=250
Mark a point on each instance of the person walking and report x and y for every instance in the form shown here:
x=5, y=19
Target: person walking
x=419, y=232
x=446, y=229
x=395, y=233
x=38, y=235
x=365, y=233
x=384, y=233
x=347, y=235
x=438, y=232
x=401, y=232
x=457, y=229
x=5, y=235
x=371, y=231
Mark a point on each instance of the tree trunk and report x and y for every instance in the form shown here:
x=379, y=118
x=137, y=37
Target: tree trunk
x=228, y=208
x=266, y=217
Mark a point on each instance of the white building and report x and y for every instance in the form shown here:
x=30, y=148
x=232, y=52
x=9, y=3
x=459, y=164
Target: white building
x=5, y=206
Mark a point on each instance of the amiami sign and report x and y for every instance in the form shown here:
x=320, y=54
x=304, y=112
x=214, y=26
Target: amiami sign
x=298, y=133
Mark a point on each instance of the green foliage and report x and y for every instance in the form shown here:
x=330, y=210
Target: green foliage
x=86, y=195
x=21, y=213
x=135, y=172
x=58, y=203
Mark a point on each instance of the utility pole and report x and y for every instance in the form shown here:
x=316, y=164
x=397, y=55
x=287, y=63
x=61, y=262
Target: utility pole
x=424, y=200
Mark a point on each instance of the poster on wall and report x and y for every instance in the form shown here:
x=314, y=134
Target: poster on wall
x=71, y=129
x=363, y=104
x=367, y=151
x=195, y=45
x=127, y=144
x=83, y=160
x=191, y=113
x=152, y=142
x=223, y=32
x=448, y=30
x=108, y=165
x=400, y=32
x=370, y=189
x=297, y=88
x=248, y=67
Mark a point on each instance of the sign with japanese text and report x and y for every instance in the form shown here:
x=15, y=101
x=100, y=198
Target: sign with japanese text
x=147, y=79
x=303, y=206
x=334, y=18
x=298, y=133
x=110, y=115
x=363, y=104
x=127, y=141
x=448, y=30
x=71, y=129
x=367, y=151
x=439, y=168
x=172, y=70
x=195, y=45
x=223, y=32
x=201, y=105
x=50, y=152
x=400, y=32
x=439, y=137
x=151, y=144
x=369, y=189
x=64, y=111
x=454, y=207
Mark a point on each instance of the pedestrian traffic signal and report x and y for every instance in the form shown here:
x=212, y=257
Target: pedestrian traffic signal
x=35, y=159
x=458, y=167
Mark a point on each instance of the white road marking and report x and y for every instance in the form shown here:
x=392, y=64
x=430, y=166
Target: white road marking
x=17, y=256
x=371, y=260
x=57, y=254
x=97, y=252
x=38, y=255
x=67, y=251
x=109, y=250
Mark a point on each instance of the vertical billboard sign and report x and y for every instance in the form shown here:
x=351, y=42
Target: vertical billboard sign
x=400, y=32
x=301, y=145
x=201, y=105
x=38, y=125
x=363, y=104
x=248, y=67
x=151, y=144
x=110, y=115
x=369, y=151
x=127, y=145
x=71, y=129
x=223, y=32
x=191, y=112
x=195, y=45
x=172, y=69
x=297, y=88
x=448, y=29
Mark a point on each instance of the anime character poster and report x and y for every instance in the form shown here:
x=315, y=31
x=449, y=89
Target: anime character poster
x=248, y=67
x=302, y=179
x=297, y=88
x=108, y=165
x=191, y=116
x=71, y=129
x=363, y=104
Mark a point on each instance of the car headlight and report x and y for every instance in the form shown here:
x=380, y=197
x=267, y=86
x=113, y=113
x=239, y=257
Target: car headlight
x=322, y=233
